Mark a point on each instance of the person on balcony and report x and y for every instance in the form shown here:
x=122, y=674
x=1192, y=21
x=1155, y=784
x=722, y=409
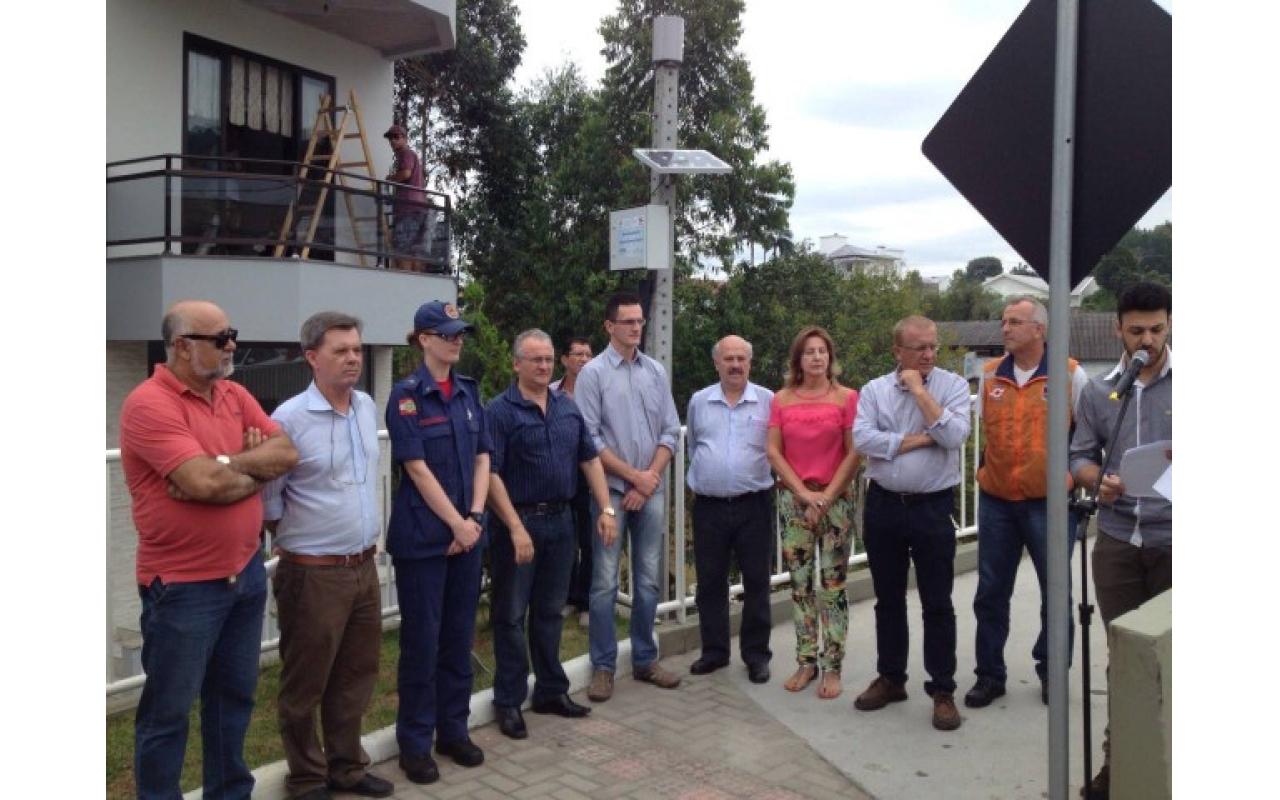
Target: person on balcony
x=540, y=443
x=1013, y=403
x=625, y=397
x=411, y=229
x=733, y=508
x=440, y=441
x=577, y=353
x=810, y=445
x=1133, y=552
x=912, y=425
x=326, y=521
x=196, y=450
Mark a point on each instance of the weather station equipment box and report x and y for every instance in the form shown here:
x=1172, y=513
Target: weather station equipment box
x=640, y=238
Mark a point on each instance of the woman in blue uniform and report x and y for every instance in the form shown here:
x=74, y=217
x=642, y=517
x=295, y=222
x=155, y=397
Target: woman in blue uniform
x=441, y=445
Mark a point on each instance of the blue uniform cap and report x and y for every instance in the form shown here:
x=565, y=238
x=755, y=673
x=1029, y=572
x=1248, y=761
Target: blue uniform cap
x=440, y=317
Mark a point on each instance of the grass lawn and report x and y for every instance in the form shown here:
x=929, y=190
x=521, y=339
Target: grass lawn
x=262, y=744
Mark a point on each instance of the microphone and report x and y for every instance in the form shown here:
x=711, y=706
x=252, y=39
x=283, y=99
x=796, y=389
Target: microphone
x=1136, y=362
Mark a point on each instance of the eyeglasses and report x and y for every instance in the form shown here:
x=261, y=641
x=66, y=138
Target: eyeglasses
x=448, y=337
x=1013, y=322
x=219, y=339
x=639, y=323
x=921, y=348
x=545, y=360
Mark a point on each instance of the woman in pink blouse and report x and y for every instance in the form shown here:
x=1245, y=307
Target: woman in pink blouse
x=810, y=447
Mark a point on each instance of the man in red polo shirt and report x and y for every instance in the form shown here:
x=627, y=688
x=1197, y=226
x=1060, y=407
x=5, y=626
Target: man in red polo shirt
x=196, y=449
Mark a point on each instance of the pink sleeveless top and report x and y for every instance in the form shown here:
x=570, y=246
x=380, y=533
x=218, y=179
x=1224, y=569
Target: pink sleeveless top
x=813, y=435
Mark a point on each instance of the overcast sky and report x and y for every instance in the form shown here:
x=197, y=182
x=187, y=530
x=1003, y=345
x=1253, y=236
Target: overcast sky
x=850, y=91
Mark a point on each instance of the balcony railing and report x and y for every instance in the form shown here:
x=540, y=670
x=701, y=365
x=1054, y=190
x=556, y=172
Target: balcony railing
x=211, y=206
x=675, y=597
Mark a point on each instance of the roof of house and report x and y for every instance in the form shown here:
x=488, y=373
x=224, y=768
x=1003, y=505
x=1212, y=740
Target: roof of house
x=1034, y=284
x=1093, y=336
x=852, y=251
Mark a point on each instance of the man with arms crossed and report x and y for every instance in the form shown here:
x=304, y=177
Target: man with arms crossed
x=911, y=426
x=1133, y=552
x=733, y=508
x=625, y=397
x=326, y=518
x=196, y=449
x=539, y=442
x=1013, y=402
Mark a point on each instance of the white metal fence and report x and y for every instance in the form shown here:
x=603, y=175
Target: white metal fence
x=122, y=654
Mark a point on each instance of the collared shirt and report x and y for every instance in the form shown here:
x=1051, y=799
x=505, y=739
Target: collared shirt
x=446, y=434
x=164, y=424
x=328, y=504
x=628, y=408
x=887, y=412
x=537, y=455
x=727, y=443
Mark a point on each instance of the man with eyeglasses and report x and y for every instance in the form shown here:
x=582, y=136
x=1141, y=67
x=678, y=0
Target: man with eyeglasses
x=326, y=521
x=196, y=451
x=540, y=442
x=1013, y=403
x=625, y=397
x=911, y=426
x=410, y=234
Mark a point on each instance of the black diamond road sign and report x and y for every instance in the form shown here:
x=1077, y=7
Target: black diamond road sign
x=995, y=142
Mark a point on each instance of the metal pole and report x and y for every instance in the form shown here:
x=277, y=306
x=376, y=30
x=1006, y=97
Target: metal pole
x=1059, y=556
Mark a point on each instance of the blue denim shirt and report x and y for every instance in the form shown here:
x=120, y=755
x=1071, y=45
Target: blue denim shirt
x=447, y=435
x=537, y=456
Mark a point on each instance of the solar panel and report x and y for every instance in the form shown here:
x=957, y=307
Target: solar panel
x=682, y=162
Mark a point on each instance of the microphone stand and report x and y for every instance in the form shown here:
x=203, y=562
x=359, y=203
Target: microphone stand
x=1085, y=507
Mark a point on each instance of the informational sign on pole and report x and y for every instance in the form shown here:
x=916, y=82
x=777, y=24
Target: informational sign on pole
x=640, y=238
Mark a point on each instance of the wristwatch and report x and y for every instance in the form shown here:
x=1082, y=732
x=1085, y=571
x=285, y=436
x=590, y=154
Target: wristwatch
x=609, y=510
x=477, y=516
x=223, y=459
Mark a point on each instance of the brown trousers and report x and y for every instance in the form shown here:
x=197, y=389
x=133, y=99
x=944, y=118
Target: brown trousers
x=330, y=637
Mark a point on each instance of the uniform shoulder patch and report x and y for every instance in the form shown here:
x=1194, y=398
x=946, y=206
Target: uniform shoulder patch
x=408, y=407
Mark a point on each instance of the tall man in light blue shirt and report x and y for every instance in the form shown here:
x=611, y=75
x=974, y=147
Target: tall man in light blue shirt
x=911, y=427
x=326, y=522
x=733, y=508
x=625, y=398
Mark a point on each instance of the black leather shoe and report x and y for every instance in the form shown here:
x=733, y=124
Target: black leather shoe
x=369, y=785
x=561, y=705
x=705, y=666
x=1044, y=691
x=318, y=793
x=983, y=692
x=420, y=769
x=511, y=722
x=758, y=673
x=463, y=751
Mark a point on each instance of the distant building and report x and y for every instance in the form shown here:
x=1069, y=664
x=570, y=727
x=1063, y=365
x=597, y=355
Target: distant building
x=1093, y=340
x=1008, y=284
x=850, y=258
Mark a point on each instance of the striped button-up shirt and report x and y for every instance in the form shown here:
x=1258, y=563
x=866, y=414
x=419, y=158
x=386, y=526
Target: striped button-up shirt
x=536, y=454
x=628, y=408
x=887, y=411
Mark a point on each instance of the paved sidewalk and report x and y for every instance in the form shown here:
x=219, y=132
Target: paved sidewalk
x=706, y=740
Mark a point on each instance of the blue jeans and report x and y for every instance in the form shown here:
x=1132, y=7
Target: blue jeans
x=203, y=639
x=537, y=588
x=1004, y=528
x=645, y=528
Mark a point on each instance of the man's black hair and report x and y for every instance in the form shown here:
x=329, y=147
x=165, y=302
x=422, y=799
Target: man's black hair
x=572, y=340
x=1145, y=297
x=620, y=299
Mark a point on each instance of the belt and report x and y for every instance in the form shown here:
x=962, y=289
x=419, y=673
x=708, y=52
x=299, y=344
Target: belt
x=912, y=498
x=353, y=560
x=737, y=498
x=536, y=509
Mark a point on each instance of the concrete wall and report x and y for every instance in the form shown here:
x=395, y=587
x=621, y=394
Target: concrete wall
x=1141, y=701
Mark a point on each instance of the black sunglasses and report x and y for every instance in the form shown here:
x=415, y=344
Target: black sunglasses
x=219, y=339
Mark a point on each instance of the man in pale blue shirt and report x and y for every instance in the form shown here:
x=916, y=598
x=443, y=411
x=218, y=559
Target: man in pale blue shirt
x=326, y=522
x=911, y=426
x=625, y=398
x=729, y=474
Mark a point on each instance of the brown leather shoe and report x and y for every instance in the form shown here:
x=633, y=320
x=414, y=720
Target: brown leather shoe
x=945, y=715
x=879, y=694
x=601, y=688
x=658, y=676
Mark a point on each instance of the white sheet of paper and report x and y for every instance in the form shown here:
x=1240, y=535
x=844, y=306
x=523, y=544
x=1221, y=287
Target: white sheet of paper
x=1141, y=467
x=1165, y=485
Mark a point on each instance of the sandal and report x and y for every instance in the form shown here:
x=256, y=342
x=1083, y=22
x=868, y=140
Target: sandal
x=829, y=679
x=804, y=675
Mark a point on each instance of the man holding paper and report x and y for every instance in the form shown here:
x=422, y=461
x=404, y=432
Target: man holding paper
x=1133, y=554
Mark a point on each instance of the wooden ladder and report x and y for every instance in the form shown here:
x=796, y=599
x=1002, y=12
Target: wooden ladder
x=326, y=131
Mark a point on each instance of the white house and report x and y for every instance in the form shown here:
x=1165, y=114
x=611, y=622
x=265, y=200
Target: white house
x=1007, y=284
x=851, y=258
x=210, y=106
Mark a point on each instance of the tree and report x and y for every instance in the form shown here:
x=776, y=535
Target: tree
x=964, y=299
x=1024, y=269
x=982, y=268
x=1141, y=255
